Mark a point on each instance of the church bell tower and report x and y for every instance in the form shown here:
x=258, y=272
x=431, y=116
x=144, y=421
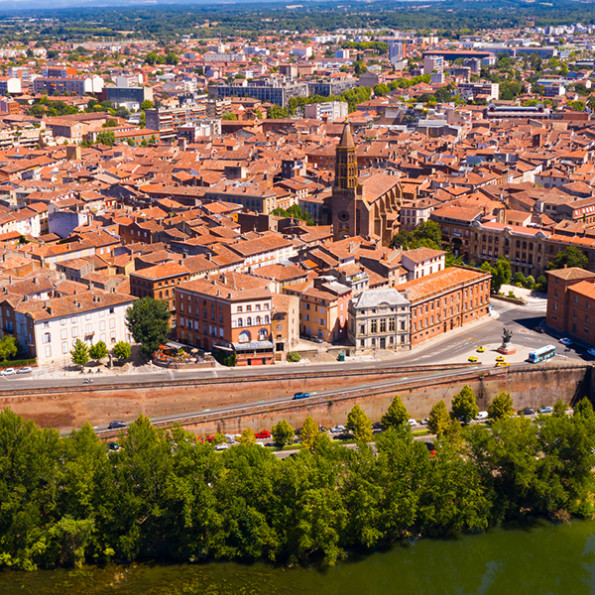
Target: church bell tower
x=343, y=200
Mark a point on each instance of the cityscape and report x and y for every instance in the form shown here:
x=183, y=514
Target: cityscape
x=287, y=286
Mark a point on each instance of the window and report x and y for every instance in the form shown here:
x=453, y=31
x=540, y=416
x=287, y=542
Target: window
x=102, y=325
x=88, y=329
x=240, y=322
x=47, y=324
x=48, y=350
x=75, y=331
x=64, y=334
x=112, y=336
x=239, y=309
x=64, y=347
x=111, y=310
x=249, y=321
x=62, y=321
x=248, y=308
x=87, y=316
x=244, y=337
x=47, y=337
x=263, y=334
x=258, y=322
x=112, y=323
x=373, y=326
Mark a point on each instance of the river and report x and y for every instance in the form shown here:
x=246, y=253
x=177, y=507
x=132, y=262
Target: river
x=537, y=558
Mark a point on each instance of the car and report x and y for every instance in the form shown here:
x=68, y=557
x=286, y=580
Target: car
x=546, y=409
x=566, y=341
x=113, y=446
x=482, y=415
x=502, y=364
x=25, y=370
x=500, y=358
x=318, y=340
x=114, y=425
x=338, y=429
x=527, y=411
x=591, y=351
x=424, y=422
x=222, y=446
x=263, y=434
x=301, y=395
x=472, y=358
x=412, y=423
x=8, y=372
x=480, y=349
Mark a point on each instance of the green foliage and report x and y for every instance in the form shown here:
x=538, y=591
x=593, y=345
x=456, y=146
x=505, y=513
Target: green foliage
x=359, y=423
x=68, y=501
x=8, y=348
x=98, y=351
x=308, y=433
x=294, y=211
x=247, y=438
x=578, y=106
x=229, y=116
x=396, y=415
x=79, y=353
x=427, y=234
x=106, y=137
x=439, y=420
x=122, y=351
x=584, y=409
x=147, y=104
x=570, y=257
x=500, y=271
x=171, y=59
x=282, y=433
x=500, y=407
x=464, y=407
x=293, y=356
x=559, y=409
x=148, y=322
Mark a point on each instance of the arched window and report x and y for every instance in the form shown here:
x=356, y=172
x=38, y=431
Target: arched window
x=240, y=322
x=257, y=320
x=266, y=319
x=263, y=334
x=249, y=321
x=244, y=337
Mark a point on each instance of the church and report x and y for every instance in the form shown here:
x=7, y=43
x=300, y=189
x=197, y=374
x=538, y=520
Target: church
x=366, y=206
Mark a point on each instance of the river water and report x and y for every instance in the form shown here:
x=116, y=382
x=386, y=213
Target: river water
x=537, y=558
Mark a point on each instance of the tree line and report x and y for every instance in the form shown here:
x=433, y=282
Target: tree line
x=167, y=496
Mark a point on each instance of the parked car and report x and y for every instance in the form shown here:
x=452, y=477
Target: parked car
x=338, y=429
x=301, y=395
x=412, y=423
x=482, y=415
x=500, y=358
x=424, y=422
x=25, y=370
x=263, y=434
x=113, y=446
x=527, y=411
x=222, y=446
x=566, y=341
x=114, y=425
x=473, y=359
x=546, y=409
x=8, y=372
x=480, y=349
x=502, y=364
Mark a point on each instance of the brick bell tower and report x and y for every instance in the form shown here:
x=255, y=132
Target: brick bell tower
x=343, y=199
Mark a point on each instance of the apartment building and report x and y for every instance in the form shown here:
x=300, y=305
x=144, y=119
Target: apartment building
x=159, y=283
x=272, y=91
x=571, y=303
x=227, y=313
x=48, y=328
x=167, y=120
x=330, y=110
x=445, y=300
x=70, y=85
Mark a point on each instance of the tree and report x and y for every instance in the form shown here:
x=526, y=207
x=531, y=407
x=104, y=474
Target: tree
x=8, y=347
x=171, y=58
x=247, y=438
x=501, y=406
x=569, y=257
x=98, y=351
x=308, y=433
x=148, y=322
x=79, y=353
x=464, y=407
x=122, y=351
x=396, y=415
x=583, y=409
x=282, y=433
x=106, y=137
x=147, y=104
x=229, y=116
x=359, y=423
x=500, y=272
x=559, y=409
x=439, y=420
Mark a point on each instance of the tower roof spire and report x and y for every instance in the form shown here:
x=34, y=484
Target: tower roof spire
x=346, y=137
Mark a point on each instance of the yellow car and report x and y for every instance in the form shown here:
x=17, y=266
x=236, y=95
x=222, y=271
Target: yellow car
x=502, y=364
x=500, y=358
x=472, y=358
x=480, y=349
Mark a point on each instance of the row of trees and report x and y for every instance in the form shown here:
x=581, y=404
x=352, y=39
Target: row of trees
x=82, y=353
x=166, y=495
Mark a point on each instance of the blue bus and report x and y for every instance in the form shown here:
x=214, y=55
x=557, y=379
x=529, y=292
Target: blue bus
x=301, y=395
x=542, y=353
